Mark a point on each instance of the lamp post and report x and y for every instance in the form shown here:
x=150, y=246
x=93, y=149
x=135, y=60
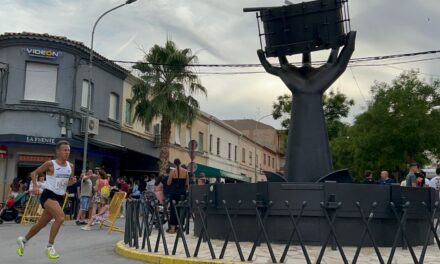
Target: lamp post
x=255, y=145
x=89, y=92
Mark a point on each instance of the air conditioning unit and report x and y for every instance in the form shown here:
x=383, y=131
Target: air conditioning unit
x=156, y=140
x=92, y=125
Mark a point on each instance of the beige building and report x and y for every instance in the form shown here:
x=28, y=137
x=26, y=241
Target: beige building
x=270, y=139
x=181, y=135
x=223, y=150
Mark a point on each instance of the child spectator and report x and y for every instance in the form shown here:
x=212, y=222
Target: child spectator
x=101, y=216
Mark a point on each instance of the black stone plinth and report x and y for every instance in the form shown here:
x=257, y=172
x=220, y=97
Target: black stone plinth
x=313, y=226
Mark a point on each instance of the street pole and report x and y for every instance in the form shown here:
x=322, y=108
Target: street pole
x=255, y=144
x=89, y=92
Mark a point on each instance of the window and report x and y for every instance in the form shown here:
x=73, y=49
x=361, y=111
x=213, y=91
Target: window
x=250, y=157
x=273, y=162
x=210, y=143
x=256, y=159
x=177, y=135
x=85, y=94
x=113, y=106
x=188, y=136
x=218, y=146
x=243, y=155
x=129, y=113
x=229, y=150
x=235, y=153
x=41, y=82
x=200, y=142
x=264, y=158
x=147, y=127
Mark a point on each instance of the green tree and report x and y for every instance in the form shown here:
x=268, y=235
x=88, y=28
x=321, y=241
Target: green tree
x=398, y=127
x=166, y=91
x=336, y=106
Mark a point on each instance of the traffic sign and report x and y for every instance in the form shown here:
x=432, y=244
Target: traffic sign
x=192, y=167
x=192, y=146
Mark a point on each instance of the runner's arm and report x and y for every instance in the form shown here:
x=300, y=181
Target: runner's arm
x=34, y=175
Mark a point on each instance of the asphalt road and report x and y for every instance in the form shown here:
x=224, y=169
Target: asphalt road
x=74, y=245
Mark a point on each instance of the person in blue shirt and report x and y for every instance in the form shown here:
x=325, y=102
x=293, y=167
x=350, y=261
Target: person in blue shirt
x=385, y=179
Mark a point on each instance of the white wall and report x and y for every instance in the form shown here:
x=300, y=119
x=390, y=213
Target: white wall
x=227, y=135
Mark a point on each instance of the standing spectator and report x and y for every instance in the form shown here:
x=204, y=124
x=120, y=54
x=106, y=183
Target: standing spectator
x=158, y=190
x=85, y=194
x=385, y=179
x=202, y=179
x=97, y=197
x=143, y=184
x=40, y=184
x=421, y=179
x=72, y=198
x=135, y=193
x=151, y=183
x=166, y=187
x=14, y=188
x=435, y=182
x=411, y=178
x=124, y=187
x=369, y=178
x=178, y=181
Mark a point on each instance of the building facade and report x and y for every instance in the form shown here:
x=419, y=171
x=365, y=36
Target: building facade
x=272, y=157
x=43, y=99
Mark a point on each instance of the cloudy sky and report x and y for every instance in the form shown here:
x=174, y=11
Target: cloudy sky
x=219, y=32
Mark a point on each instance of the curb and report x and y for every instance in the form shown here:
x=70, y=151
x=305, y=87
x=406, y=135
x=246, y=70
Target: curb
x=125, y=251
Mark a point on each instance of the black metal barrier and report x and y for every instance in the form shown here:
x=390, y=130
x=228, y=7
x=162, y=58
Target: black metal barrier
x=145, y=214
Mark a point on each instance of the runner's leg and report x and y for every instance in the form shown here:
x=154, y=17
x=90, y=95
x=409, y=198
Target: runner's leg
x=54, y=208
x=42, y=222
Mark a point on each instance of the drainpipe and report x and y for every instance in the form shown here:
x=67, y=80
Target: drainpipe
x=74, y=95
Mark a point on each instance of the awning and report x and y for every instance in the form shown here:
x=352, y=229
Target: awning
x=211, y=172
x=234, y=176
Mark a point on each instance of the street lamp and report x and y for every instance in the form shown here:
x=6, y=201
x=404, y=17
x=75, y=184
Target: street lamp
x=89, y=92
x=255, y=145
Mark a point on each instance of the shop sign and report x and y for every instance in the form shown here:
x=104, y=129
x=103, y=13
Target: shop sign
x=3, y=152
x=34, y=158
x=43, y=53
x=40, y=140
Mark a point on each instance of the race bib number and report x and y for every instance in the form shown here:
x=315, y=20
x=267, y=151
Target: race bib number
x=61, y=184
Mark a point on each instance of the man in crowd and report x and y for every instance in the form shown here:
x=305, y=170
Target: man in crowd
x=411, y=178
x=369, y=178
x=385, y=179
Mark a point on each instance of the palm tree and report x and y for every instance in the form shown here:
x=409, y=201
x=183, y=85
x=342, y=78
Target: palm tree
x=166, y=92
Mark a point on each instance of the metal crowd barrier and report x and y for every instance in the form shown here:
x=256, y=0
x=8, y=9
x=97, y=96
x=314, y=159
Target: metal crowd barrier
x=145, y=214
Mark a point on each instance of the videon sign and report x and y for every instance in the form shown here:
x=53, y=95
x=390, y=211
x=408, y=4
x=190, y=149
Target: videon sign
x=43, y=53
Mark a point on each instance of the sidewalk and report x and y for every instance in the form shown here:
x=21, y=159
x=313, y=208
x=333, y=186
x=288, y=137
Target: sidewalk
x=262, y=255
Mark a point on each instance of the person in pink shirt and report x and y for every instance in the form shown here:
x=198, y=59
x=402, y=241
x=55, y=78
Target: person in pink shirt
x=158, y=190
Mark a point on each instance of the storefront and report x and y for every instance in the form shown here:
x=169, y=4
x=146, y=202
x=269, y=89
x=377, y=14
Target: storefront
x=25, y=153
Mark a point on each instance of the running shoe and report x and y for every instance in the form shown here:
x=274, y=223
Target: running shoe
x=86, y=228
x=21, y=244
x=51, y=253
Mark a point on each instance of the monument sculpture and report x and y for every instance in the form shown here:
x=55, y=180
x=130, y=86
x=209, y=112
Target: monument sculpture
x=326, y=208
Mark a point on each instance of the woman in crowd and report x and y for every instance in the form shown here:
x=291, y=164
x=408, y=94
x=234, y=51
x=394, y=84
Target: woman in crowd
x=178, y=182
x=97, y=198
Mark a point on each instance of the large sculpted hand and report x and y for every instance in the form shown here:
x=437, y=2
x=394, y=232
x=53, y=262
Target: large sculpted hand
x=307, y=79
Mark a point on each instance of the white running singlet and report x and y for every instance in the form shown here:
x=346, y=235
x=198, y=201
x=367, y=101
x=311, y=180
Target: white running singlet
x=57, y=183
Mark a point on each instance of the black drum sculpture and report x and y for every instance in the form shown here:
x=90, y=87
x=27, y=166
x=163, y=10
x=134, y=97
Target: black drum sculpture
x=324, y=203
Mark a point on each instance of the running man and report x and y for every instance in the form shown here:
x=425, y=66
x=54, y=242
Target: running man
x=59, y=173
